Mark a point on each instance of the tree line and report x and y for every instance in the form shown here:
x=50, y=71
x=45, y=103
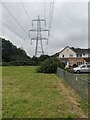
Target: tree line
x=13, y=56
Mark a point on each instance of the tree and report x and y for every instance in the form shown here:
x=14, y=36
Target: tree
x=50, y=65
x=11, y=53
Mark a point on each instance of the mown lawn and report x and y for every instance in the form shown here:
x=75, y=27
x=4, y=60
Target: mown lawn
x=27, y=94
x=0, y=92
x=85, y=76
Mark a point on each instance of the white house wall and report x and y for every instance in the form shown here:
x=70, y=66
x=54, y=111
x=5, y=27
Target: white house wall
x=67, y=53
x=85, y=56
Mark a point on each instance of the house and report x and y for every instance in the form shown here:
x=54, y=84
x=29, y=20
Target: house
x=74, y=56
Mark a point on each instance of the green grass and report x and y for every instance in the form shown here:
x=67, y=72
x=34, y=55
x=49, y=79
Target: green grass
x=0, y=92
x=27, y=94
x=85, y=76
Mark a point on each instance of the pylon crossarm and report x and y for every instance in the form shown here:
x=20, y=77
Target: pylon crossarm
x=33, y=30
x=39, y=38
x=44, y=30
x=42, y=20
x=34, y=20
x=38, y=20
x=44, y=38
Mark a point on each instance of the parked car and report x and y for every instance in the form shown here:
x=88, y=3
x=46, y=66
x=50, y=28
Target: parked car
x=82, y=68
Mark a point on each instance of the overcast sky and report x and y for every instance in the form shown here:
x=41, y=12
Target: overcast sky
x=69, y=24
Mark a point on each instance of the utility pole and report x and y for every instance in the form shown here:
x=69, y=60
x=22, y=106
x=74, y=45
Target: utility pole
x=39, y=37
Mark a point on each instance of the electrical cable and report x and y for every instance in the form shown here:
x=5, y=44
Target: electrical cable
x=15, y=19
x=14, y=32
x=51, y=13
x=25, y=10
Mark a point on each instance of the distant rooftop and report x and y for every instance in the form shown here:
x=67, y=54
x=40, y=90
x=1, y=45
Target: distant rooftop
x=79, y=50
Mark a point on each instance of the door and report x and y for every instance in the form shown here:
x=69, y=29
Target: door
x=83, y=68
x=88, y=67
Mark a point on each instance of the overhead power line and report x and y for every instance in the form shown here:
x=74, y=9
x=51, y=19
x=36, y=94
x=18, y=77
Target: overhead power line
x=45, y=9
x=14, y=32
x=51, y=13
x=25, y=11
x=15, y=19
x=40, y=33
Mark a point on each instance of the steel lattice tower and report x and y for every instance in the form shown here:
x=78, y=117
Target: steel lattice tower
x=39, y=37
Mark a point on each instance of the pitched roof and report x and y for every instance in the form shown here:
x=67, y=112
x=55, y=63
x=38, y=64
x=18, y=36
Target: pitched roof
x=65, y=48
x=79, y=50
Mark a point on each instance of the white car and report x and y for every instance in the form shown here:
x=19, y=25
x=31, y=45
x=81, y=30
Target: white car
x=82, y=68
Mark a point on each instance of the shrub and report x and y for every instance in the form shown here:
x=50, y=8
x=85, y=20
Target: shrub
x=69, y=70
x=50, y=65
x=6, y=64
x=20, y=63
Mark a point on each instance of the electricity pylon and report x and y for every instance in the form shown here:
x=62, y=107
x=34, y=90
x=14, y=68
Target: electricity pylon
x=39, y=37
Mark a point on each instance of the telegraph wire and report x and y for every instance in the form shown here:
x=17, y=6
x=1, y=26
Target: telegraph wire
x=14, y=19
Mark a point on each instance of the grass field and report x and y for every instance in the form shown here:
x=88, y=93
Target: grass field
x=27, y=94
x=0, y=92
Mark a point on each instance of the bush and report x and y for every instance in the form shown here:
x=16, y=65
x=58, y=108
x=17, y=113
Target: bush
x=6, y=64
x=50, y=65
x=20, y=63
x=69, y=70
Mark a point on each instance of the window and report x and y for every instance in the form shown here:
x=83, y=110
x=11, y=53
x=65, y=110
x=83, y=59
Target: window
x=80, y=55
x=88, y=66
x=83, y=66
x=77, y=55
x=79, y=63
x=63, y=55
x=71, y=55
